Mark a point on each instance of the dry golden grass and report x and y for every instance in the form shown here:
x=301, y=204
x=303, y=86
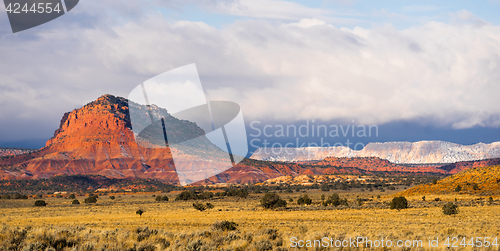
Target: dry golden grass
x=174, y=225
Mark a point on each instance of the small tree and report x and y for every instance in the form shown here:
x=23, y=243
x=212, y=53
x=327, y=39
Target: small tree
x=335, y=200
x=399, y=203
x=75, y=202
x=458, y=188
x=161, y=198
x=202, y=207
x=304, y=200
x=272, y=200
x=91, y=199
x=139, y=212
x=450, y=208
x=40, y=203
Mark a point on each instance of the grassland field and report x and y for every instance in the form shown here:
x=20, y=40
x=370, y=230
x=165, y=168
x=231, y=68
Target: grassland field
x=176, y=225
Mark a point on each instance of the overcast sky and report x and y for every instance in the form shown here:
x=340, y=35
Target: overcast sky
x=430, y=65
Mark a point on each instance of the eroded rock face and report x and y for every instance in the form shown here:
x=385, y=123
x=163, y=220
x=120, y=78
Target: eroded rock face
x=422, y=152
x=95, y=139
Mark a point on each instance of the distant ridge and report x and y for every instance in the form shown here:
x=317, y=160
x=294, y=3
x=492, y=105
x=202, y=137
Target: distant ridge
x=422, y=152
x=10, y=151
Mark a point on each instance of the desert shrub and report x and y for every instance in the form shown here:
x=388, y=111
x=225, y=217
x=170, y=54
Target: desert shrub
x=475, y=186
x=75, y=202
x=290, y=200
x=72, y=196
x=399, y=203
x=40, y=203
x=437, y=199
x=224, y=225
x=272, y=200
x=146, y=247
x=490, y=200
x=450, y=208
x=304, y=200
x=6, y=197
x=196, y=245
x=263, y=245
x=163, y=242
x=91, y=199
x=144, y=233
x=139, y=212
x=434, y=181
x=271, y=233
x=112, y=197
x=187, y=195
x=161, y=198
x=202, y=207
x=423, y=198
x=17, y=237
x=59, y=196
x=458, y=188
